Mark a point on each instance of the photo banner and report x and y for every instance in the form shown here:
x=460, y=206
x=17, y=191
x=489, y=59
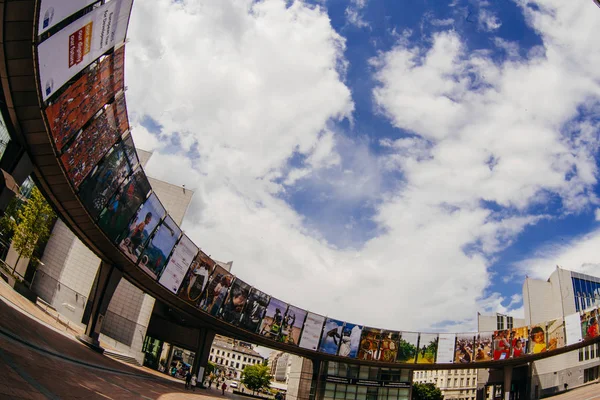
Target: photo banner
x=408, y=347
x=196, y=279
x=311, y=333
x=123, y=204
x=254, y=311
x=350, y=342
x=518, y=339
x=463, y=349
x=556, y=334
x=133, y=240
x=589, y=324
x=79, y=102
x=231, y=311
x=331, y=336
x=573, y=329
x=428, y=345
x=154, y=258
x=389, y=346
x=501, y=344
x=178, y=264
x=537, y=339
x=76, y=46
x=273, y=319
x=369, y=344
x=216, y=291
x=54, y=11
x=484, y=346
x=445, y=350
x=292, y=325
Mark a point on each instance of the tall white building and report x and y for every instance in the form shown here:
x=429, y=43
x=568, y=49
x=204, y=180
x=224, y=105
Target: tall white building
x=69, y=268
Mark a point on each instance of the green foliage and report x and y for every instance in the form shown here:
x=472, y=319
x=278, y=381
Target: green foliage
x=406, y=351
x=210, y=368
x=8, y=222
x=256, y=377
x=426, y=391
x=34, y=218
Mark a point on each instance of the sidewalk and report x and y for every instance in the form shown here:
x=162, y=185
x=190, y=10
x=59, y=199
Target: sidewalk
x=41, y=359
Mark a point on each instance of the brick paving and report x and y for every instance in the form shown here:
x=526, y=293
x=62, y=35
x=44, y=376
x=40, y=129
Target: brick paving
x=41, y=359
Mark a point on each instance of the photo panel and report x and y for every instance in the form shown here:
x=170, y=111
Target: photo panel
x=428, y=345
x=501, y=343
x=154, y=258
x=463, y=349
x=484, y=345
x=53, y=12
x=101, y=185
x=90, y=145
x=178, y=265
x=216, y=291
x=85, y=97
x=573, y=329
x=331, y=336
x=350, y=342
x=445, y=350
x=389, y=346
x=254, y=311
x=518, y=339
x=142, y=225
x=311, y=332
x=196, y=279
x=556, y=334
x=273, y=319
x=115, y=216
x=130, y=152
x=408, y=347
x=369, y=344
x=292, y=325
x=537, y=338
x=589, y=324
x=232, y=308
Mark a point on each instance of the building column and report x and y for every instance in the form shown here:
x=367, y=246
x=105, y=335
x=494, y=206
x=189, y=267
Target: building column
x=508, y=369
x=317, y=380
x=107, y=280
x=205, y=339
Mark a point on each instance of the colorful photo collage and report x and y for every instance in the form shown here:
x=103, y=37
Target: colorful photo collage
x=76, y=105
x=255, y=310
x=233, y=307
x=196, y=278
x=216, y=291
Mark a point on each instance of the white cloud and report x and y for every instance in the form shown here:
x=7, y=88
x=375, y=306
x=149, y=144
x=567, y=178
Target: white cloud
x=354, y=14
x=597, y=213
x=487, y=20
x=252, y=85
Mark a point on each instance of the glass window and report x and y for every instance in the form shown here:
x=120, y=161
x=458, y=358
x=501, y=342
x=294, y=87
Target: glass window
x=361, y=393
x=500, y=322
x=373, y=373
x=382, y=393
x=353, y=371
x=363, y=372
x=403, y=394
x=509, y=322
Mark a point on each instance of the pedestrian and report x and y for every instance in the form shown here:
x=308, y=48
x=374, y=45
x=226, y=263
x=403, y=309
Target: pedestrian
x=188, y=379
x=194, y=383
x=223, y=387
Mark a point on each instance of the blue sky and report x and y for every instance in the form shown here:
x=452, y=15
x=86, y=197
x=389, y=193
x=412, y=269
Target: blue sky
x=382, y=148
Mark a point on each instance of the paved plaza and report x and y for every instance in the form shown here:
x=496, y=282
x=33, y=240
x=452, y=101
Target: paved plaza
x=41, y=359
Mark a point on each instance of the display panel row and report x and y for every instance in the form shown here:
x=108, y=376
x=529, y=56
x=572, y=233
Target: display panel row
x=87, y=118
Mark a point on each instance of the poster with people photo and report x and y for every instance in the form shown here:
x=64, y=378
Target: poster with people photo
x=133, y=240
x=501, y=344
x=428, y=345
x=115, y=217
x=556, y=334
x=292, y=325
x=350, y=341
x=85, y=97
x=196, y=279
x=273, y=319
x=216, y=291
x=537, y=339
x=311, y=332
x=408, y=347
x=104, y=180
x=463, y=349
x=90, y=145
x=331, y=336
x=589, y=324
x=388, y=346
x=445, y=350
x=254, y=310
x=232, y=308
x=369, y=344
x=484, y=344
x=154, y=258
x=178, y=265
x=518, y=340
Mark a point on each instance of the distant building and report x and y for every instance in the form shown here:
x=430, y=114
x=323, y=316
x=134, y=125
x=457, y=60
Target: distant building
x=232, y=357
x=457, y=384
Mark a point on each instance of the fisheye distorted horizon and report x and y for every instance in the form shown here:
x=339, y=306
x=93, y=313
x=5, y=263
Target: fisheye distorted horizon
x=398, y=164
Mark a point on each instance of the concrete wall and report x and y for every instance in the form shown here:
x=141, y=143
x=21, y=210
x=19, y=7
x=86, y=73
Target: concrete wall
x=299, y=378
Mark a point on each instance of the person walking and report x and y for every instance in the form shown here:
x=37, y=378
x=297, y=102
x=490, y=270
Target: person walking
x=188, y=379
x=223, y=388
x=193, y=383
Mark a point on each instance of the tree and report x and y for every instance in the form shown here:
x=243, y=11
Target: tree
x=32, y=226
x=256, y=377
x=426, y=391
